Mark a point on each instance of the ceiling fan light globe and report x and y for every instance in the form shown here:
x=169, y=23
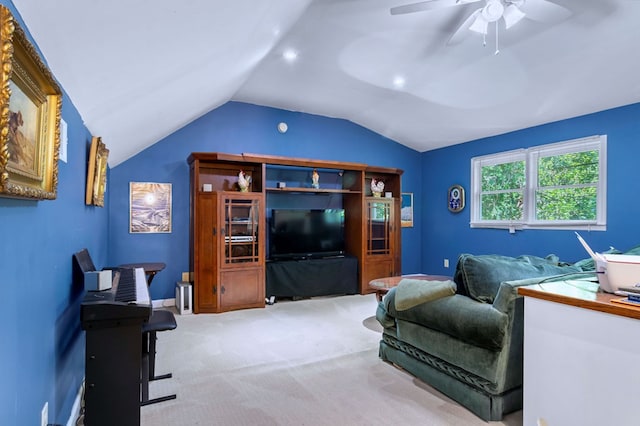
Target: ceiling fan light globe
x=493, y=10
x=479, y=25
x=512, y=15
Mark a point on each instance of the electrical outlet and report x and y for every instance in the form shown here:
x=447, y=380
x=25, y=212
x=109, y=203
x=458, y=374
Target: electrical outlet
x=44, y=415
x=185, y=277
x=446, y=263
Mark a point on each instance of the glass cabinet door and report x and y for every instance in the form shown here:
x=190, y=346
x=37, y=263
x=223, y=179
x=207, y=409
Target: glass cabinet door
x=379, y=227
x=240, y=229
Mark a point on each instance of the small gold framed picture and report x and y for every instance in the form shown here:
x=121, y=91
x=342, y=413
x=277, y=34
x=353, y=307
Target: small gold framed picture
x=97, y=173
x=406, y=210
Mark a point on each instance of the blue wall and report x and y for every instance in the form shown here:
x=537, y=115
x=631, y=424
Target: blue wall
x=446, y=235
x=42, y=354
x=437, y=234
x=43, y=345
x=237, y=128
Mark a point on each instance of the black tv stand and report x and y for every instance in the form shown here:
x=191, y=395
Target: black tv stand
x=298, y=278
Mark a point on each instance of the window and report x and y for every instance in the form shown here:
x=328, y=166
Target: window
x=555, y=186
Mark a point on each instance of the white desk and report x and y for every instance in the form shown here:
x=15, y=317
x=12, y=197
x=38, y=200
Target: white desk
x=581, y=357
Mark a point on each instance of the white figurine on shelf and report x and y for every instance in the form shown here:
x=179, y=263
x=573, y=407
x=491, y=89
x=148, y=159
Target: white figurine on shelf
x=377, y=186
x=315, y=179
x=244, y=181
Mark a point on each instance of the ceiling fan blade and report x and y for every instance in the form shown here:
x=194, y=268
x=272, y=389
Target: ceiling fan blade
x=463, y=30
x=543, y=10
x=480, y=25
x=428, y=5
x=512, y=15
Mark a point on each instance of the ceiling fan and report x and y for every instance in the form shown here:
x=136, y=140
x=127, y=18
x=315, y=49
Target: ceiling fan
x=510, y=11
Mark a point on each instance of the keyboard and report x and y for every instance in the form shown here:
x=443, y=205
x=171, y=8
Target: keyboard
x=128, y=298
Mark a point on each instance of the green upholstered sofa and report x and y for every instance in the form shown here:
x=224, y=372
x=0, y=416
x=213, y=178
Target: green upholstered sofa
x=469, y=345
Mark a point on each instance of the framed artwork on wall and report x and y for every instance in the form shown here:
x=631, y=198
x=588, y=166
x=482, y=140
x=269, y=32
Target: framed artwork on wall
x=97, y=173
x=455, y=198
x=149, y=207
x=406, y=210
x=31, y=102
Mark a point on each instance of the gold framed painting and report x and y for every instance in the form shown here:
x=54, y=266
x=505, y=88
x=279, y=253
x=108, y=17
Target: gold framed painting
x=31, y=103
x=97, y=173
x=149, y=207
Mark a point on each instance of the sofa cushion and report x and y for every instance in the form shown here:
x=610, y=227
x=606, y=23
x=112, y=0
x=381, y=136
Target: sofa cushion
x=458, y=316
x=479, y=276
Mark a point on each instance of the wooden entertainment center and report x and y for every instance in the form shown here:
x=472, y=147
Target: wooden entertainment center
x=228, y=254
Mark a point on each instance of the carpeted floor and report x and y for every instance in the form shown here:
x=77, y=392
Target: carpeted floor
x=306, y=362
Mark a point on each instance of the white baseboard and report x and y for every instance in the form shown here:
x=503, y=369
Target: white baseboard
x=75, y=410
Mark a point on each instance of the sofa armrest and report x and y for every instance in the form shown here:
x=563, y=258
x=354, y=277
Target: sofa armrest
x=508, y=293
x=508, y=290
x=383, y=317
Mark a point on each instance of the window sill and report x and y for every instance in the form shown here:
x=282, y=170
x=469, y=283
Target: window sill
x=521, y=227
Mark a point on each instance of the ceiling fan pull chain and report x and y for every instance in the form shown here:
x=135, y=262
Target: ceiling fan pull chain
x=497, y=49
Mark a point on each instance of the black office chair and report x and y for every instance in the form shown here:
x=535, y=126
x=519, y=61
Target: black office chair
x=84, y=261
x=159, y=321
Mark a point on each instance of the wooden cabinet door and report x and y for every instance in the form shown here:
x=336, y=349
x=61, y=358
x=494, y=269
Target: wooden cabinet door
x=240, y=244
x=242, y=288
x=380, y=240
x=241, y=234
x=378, y=269
x=205, y=291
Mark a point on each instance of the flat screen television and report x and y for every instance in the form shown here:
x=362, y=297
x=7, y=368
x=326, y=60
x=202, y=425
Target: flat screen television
x=306, y=233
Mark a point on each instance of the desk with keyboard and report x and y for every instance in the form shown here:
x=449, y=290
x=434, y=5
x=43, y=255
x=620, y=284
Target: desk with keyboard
x=150, y=268
x=113, y=322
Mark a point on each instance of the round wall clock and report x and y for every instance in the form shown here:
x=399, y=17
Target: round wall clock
x=455, y=198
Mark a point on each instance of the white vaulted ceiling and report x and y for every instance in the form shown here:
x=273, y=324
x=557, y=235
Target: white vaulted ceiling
x=139, y=70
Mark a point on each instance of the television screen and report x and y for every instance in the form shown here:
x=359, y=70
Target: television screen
x=307, y=233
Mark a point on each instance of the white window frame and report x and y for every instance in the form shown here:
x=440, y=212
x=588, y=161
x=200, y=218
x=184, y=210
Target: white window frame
x=530, y=156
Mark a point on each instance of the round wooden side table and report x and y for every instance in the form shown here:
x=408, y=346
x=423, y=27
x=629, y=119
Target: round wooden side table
x=383, y=285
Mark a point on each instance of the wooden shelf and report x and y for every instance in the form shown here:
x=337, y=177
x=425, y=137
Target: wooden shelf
x=344, y=184
x=312, y=190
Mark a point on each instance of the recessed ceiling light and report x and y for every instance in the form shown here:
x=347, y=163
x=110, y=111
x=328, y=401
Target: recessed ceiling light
x=290, y=55
x=399, y=82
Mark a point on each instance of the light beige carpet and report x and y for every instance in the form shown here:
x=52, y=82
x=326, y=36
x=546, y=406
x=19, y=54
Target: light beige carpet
x=307, y=362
